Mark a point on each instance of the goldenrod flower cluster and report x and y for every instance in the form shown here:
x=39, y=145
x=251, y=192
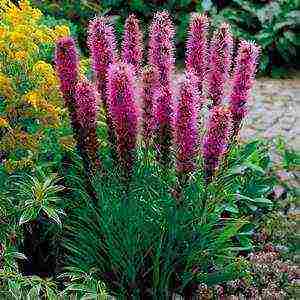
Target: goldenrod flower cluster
x=30, y=100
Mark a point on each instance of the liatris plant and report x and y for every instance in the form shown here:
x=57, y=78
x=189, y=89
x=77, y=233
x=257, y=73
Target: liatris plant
x=161, y=47
x=186, y=127
x=118, y=89
x=197, y=48
x=66, y=61
x=124, y=112
x=219, y=62
x=132, y=46
x=86, y=102
x=215, y=141
x=149, y=86
x=242, y=82
x=102, y=45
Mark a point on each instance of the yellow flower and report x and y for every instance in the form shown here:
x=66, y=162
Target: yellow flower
x=17, y=37
x=33, y=98
x=62, y=31
x=21, y=55
x=3, y=32
x=42, y=68
x=3, y=122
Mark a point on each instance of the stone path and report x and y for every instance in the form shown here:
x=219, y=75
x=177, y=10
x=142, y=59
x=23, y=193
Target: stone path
x=274, y=110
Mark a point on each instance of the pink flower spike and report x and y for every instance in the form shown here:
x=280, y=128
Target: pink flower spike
x=197, y=48
x=102, y=45
x=86, y=98
x=66, y=62
x=165, y=120
x=242, y=81
x=215, y=141
x=186, y=126
x=149, y=86
x=220, y=63
x=161, y=46
x=124, y=112
x=132, y=47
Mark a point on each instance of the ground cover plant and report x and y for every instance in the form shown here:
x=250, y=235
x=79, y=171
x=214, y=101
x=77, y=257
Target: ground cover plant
x=160, y=196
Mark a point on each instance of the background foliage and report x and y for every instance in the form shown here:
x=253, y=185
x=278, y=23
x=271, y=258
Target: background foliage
x=273, y=24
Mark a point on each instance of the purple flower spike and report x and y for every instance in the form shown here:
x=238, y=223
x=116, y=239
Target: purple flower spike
x=220, y=62
x=149, y=86
x=102, y=45
x=186, y=126
x=242, y=82
x=165, y=119
x=132, y=47
x=123, y=112
x=197, y=48
x=86, y=98
x=66, y=62
x=215, y=141
x=161, y=46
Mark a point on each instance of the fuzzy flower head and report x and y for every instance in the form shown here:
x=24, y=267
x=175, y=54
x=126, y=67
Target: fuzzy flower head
x=196, y=49
x=86, y=98
x=216, y=139
x=243, y=80
x=161, y=46
x=66, y=61
x=123, y=112
x=102, y=45
x=165, y=123
x=132, y=47
x=220, y=62
x=186, y=125
x=149, y=86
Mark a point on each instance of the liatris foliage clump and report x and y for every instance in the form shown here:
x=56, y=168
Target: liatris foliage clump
x=124, y=112
x=242, y=82
x=169, y=118
x=216, y=140
x=132, y=46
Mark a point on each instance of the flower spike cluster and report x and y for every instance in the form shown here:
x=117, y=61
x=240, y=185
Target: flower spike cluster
x=215, y=141
x=169, y=130
x=197, y=48
x=161, y=46
x=220, y=62
x=149, y=86
x=242, y=82
x=86, y=102
x=186, y=126
x=132, y=47
x=124, y=112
